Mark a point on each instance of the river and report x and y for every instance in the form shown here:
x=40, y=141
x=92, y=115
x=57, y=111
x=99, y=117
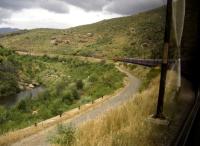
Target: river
x=13, y=100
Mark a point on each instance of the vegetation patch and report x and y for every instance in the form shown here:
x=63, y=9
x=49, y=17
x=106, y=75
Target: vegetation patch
x=66, y=135
x=68, y=82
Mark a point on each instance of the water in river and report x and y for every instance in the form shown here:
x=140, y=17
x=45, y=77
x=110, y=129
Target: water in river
x=11, y=101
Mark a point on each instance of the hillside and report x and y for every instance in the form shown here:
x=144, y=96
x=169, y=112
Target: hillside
x=132, y=36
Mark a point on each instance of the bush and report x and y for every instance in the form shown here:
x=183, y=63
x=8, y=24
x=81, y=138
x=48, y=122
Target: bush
x=60, y=86
x=93, y=78
x=79, y=84
x=86, y=99
x=66, y=135
x=3, y=115
x=55, y=107
x=67, y=96
x=8, y=84
x=23, y=106
x=104, y=40
x=45, y=58
x=5, y=52
x=75, y=94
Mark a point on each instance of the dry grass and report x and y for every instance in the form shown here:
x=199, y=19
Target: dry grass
x=127, y=125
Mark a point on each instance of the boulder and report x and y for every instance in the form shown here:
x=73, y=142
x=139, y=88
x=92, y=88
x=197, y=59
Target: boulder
x=145, y=45
x=67, y=41
x=53, y=38
x=90, y=34
x=21, y=87
x=35, y=83
x=35, y=112
x=31, y=86
x=83, y=41
x=132, y=30
x=54, y=42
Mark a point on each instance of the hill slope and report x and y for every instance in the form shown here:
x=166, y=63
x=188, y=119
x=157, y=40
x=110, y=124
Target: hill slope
x=125, y=36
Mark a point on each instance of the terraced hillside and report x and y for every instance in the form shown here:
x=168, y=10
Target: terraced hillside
x=132, y=36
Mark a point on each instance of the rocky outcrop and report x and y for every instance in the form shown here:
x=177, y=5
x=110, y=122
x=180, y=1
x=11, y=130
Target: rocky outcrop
x=56, y=41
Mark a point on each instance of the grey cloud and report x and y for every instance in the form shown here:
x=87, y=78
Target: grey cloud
x=116, y=6
x=51, y=5
x=124, y=7
x=128, y=7
x=89, y=5
x=7, y=7
x=4, y=13
x=54, y=5
x=61, y=6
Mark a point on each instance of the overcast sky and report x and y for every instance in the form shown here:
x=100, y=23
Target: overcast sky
x=27, y=14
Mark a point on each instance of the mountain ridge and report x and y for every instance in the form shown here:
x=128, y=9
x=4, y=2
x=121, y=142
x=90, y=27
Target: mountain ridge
x=5, y=30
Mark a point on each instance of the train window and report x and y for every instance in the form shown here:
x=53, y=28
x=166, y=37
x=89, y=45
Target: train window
x=104, y=72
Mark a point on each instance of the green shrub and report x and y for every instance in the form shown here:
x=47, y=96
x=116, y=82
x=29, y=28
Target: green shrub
x=66, y=135
x=86, y=99
x=23, y=106
x=93, y=78
x=3, y=115
x=55, y=107
x=67, y=96
x=75, y=94
x=104, y=40
x=79, y=84
x=60, y=86
x=5, y=52
x=8, y=84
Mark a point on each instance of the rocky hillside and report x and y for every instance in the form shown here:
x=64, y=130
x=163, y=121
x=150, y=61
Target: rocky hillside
x=132, y=36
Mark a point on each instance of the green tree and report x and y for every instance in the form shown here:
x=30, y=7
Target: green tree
x=79, y=84
x=75, y=94
x=23, y=106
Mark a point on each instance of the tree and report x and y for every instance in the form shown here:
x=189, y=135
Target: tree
x=22, y=106
x=75, y=94
x=79, y=84
x=67, y=96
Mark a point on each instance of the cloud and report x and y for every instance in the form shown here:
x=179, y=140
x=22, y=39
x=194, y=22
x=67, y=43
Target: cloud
x=125, y=7
x=51, y=5
x=4, y=13
x=61, y=6
x=128, y=7
x=89, y=5
x=32, y=18
x=8, y=8
x=54, y=5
